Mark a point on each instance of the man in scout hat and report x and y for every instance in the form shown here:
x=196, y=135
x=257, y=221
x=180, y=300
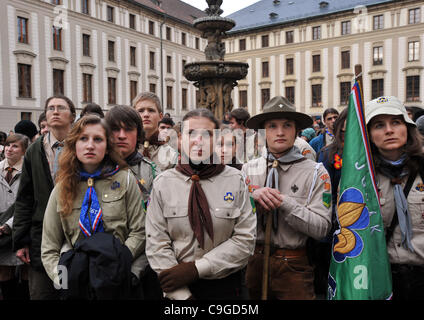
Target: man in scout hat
x=293, y=198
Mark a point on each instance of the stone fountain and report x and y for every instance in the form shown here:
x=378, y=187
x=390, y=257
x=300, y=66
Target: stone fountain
x=215, y=77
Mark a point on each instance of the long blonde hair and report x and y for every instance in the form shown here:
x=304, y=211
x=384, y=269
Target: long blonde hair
x=69, y=166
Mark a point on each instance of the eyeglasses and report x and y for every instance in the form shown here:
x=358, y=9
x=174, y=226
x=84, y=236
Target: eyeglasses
x=59, y=108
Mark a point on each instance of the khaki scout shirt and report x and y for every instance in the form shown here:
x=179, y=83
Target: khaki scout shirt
x=397, y=253
x=145, y=172
x=170, y=238
x=298, y=218
x=164, y=156
x=48, y=141
x=123, y=216
x=305, y=149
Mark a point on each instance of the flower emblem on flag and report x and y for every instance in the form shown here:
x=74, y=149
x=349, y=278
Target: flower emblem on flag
x=352, y=215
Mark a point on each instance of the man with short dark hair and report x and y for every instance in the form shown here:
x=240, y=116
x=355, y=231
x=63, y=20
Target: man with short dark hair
x=127, y=133
x=330, y=115
x=37, y=181
x=164, y=126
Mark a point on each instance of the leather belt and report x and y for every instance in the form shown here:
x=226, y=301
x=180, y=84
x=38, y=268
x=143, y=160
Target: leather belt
x=282, y=252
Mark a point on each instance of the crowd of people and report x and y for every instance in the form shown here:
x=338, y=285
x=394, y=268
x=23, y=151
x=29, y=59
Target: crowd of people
x=128, y=204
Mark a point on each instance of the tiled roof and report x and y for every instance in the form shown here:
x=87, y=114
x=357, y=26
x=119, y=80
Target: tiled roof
x=174, y=8
x=273, y=12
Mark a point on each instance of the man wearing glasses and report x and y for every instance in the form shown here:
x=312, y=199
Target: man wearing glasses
x=37, y=181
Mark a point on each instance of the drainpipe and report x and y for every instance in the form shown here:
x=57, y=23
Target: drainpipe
x=161, y=59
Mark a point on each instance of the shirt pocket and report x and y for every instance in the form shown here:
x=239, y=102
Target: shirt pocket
x=113, y=205
x=416, y=208
x=224, y=220
x=178, y=222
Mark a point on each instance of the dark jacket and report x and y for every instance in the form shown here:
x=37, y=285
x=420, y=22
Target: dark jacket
x=98, y=268
x=318, y=143
x=31, y=201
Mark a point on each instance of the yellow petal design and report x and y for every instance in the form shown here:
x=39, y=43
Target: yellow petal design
x=349, y=213
x=347, y=241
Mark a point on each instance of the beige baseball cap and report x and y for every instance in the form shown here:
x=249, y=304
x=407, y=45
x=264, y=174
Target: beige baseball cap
x=386, y=105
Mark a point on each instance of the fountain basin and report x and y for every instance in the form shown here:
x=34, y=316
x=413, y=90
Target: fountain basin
x=197, y=71
x=213, y=23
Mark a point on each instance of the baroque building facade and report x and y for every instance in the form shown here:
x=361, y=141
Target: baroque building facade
x=307, y=51
x=100, y=51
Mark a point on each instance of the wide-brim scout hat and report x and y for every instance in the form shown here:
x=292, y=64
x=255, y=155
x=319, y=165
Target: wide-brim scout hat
x=387, y=105
x=278, y=108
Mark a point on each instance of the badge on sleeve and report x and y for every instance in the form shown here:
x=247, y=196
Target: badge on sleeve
x=420, y=187
x=115, y=185
x=326, y=199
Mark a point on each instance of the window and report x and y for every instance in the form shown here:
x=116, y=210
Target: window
x=152, y=88
x=24, y=80
x=377, y=88
x=133, y=56
x=58, y=86
x=265, y=96
x=151, y=27
x=132, y=21
x=265, y=41
x=26, y=115
x=86, y=45
x=168, y=64
x=85, y=6
x=378, y=22
x=183, y=38
x=57, y=2
x=265, y=69
x=133, y=89
x=346, y=59
x=377, y=56
x=22, y=30
x=152, y=60
x=345, y=88
x=346, y=27
x=316, y=63
x=414, y=50
x=169, y=103
x=57, y=39
x=289, y=66
x=111, y=90
x=184, y=99
x=197, y=43
x=243, y=98
x=414, y=15
x=183, y=61
x=413, y=88
x=289, y=36
x=290, y=94
x=109, y=11
x=316, y=95
x=86, y=87
x=168, y=33
x=316, y=33
x=111, y=50
x=242, y=44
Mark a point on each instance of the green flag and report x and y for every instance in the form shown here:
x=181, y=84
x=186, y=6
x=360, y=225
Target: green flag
x=359, y=268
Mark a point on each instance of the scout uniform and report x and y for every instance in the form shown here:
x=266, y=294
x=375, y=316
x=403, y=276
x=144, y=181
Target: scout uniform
x=305, y=212
x=163, y=156
x=123, y=216
x=171, y=240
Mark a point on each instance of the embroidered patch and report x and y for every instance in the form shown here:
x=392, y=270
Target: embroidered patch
x=115, y=185
x=326, y=199
x=324, y=177
x=306, y=152
x=252, y=188
x=420, y=187
x=382, y=100
x=142, y=181
x=229, y=197
x=327, y=186
x=252, y=202
x=294, y=188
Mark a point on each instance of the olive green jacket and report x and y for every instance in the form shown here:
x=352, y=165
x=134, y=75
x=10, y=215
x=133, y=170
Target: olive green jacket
x=123, y=216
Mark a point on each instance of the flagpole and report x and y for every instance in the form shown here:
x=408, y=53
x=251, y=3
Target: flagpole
x=358, y=78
